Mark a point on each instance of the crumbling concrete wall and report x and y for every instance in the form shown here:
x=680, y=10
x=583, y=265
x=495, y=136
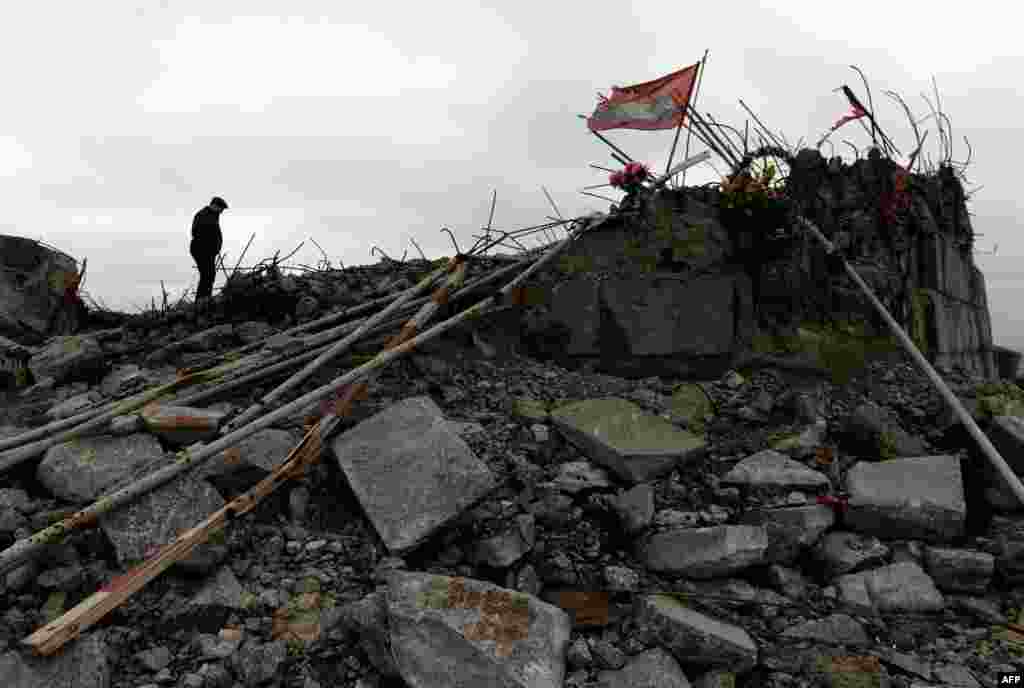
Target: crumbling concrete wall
x=33, y=281
x=669, y=290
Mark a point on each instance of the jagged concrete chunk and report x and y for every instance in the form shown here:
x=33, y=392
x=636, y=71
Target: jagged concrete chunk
x=771, y=470
x=903, y=587
x=83, y=664
x=207, y=609
x=666, y=316
x=652, y=669
x=920, y=498
x=67, y=359
x=410, y=472
x=181, y=425
x=837, y=629
x=157, y=517
x=265, y=449
x=959, y=570
x=705, y=552
x=462, y=633
x=81, y=470
x=842, y=552
x=618, y=434
x=791, y=528
x=693, y=637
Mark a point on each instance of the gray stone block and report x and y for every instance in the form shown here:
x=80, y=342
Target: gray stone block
x=917, y=498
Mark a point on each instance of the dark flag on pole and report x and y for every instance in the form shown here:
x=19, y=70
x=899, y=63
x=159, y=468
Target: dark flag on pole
x=658, y=104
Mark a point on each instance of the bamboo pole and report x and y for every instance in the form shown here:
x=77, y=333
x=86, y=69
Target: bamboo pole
x=689, y=131
x=22, y=453
x=313, y=343
x=26, y=548
x=681, y=167
x=53, y=636
x=682, y=116
x=342, y=346
x=990, y=452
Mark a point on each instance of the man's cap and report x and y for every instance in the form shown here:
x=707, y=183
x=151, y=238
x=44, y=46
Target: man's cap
x=219, y=202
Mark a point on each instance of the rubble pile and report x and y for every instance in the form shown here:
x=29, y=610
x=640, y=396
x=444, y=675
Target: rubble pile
x=484, y=518
x=630, y=458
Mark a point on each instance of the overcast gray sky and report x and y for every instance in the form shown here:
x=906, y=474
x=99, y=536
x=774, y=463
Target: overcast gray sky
x=362, y=124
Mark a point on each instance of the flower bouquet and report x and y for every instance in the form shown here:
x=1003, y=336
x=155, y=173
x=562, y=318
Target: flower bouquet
x=630, y=179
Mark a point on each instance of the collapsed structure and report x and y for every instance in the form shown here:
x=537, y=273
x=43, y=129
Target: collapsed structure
x=649, y=498
x=38, y=290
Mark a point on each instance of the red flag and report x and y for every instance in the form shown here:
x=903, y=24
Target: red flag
x=657, y=104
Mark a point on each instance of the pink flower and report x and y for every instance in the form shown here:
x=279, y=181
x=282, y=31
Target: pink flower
x=616, y=179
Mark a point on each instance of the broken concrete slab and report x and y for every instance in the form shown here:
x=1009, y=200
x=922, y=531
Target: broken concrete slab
x=651, y=669
x=903, y=587
x=264, y=450
x=959, y=570
x=791, y=528
x=81, y=470
x=919, y=498
x=464, y=632
x=842, y=552
x=208, y=608
x=837, y=629
x=181, y=425
x=618, y=434
x=84, y=664
x=705, y=552
x=635, y=507
x=505, y=549
x=769, y=470
x=665, y=316
x=873, y=429
x=410, y=472
x=157, y=517
x=693, y=637
x=68, y=359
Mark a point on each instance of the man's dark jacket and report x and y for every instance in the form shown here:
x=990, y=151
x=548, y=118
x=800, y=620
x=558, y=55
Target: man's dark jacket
x=206, y=236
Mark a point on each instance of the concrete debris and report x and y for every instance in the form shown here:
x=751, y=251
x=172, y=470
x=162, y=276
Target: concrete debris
x=548, y=474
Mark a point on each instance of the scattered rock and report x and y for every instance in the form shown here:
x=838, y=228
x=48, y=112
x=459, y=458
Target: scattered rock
x=917, y=498
x=617, y=434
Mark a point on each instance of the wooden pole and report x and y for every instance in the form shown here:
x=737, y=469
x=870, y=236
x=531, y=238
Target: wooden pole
x=609, y=143
x=990, y=452
x=682, y=117
x=27, y=548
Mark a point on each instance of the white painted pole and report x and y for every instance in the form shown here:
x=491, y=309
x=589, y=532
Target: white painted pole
x=990, y=452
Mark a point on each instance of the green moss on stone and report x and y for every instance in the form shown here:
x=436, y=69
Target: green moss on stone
x=887, y=446
x=436, y=597
x=572, y=265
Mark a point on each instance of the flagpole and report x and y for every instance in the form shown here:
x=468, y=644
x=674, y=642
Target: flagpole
x=689, y=132
x=682, y=116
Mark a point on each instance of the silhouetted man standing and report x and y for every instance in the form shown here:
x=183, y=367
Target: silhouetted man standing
x=206, y=244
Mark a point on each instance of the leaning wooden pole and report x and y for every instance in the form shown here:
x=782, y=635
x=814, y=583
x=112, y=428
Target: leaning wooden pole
x=990, y=452
x=13, y=457
x=341, y=347
x=29, y=547
x=60, y=631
